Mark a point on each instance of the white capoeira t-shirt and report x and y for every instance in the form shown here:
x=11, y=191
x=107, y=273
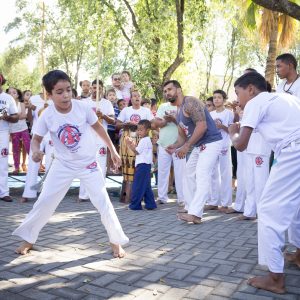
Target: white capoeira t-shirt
x=144, y=150
x=225, y=117
x=103, y=105
x=135, y=115
x=276, y=117
x=8, y=104
x=293, y=88
x=71, y=133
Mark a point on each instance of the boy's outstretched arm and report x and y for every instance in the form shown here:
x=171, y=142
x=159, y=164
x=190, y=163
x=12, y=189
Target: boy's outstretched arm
x=105, y=137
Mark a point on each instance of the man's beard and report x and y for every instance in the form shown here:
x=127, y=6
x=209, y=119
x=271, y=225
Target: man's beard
x=172, y=100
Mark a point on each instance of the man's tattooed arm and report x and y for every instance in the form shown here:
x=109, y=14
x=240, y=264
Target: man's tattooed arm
x=194, y=108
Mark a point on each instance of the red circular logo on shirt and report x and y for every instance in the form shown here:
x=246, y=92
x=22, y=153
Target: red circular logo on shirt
x=102, y=151
x=259, y=161
x=135, y=118
x=4, y=152
x=69, y=135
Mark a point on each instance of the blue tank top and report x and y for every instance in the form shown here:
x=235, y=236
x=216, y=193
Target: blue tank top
x=212, y=133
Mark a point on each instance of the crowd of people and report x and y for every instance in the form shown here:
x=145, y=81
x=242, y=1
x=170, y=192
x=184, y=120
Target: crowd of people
x=197, y=147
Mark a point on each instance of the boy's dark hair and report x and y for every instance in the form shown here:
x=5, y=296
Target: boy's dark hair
x=145, y=123
x=250, y=70
x=126, y=72
x=211, y=99
x=118, y=102
x=269, y=87
x=224, y=95
x=253, y=78
x=100, y=82
x=288, y=58
x=175, y=83
x=52, y=78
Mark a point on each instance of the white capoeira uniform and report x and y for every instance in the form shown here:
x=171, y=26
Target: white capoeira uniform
x=106, y=108
x=75, y=150
x=33, y=167
x=202, y=160
x=276, y=116
x=8, y=104
x=241, y=175
x=257, y=171
x=221, y=189
x=167, y=136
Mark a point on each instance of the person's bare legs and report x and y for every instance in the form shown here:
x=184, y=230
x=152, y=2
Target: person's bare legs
x=273, y=282
x=117, y=250
x=293, y=258
x=189, y=218
x=24, y=248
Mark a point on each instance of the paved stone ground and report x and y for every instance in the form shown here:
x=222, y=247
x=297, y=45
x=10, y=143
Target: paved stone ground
x=166, y=258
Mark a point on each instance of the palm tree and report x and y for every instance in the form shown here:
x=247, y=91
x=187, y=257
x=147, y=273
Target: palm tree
x=277, y=31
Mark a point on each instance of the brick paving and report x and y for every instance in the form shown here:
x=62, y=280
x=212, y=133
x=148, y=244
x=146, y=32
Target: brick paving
x=166, y=258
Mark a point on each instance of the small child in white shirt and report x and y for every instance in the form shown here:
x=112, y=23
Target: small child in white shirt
x=141, y=187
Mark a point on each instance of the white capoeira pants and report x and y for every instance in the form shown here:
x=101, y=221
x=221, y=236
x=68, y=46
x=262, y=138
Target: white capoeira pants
x=241, y=174
x=197, y=179
x=257, y=168
x=221, y=189
x=101, y=158
x=33, y=169
x=4, y=144
x=164, y=164
x=279, y=209
x=55, y=188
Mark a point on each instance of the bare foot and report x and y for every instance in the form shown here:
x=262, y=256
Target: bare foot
x=24, y=248
x=231, y=210
x=273, y=282
x=23, y=200
x=244, y=218
x=223, y=209
x=293, y=258
x=189, y=218
x=118, y=251
x=210, y=207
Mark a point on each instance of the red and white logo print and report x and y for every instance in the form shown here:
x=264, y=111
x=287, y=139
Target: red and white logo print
x=259, y=161
x=4, y=152
x=102, y=151
x=92, y=166
x=135, y=118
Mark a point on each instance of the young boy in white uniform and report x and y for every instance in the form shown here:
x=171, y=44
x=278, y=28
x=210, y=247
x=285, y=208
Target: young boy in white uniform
x=8, y=114
x=221, y=190
x=70, y=123
x=277, y=118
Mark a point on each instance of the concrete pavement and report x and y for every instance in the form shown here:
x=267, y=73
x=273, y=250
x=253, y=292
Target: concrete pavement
x=166, y=258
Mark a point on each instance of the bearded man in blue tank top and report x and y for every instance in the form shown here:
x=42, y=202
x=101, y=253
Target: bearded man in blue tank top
x=196, y=131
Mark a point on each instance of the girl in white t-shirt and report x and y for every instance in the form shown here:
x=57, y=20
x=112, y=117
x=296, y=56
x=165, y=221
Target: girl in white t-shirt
x=19, y=131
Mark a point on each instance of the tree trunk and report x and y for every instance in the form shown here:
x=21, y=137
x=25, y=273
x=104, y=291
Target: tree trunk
x=272, y=53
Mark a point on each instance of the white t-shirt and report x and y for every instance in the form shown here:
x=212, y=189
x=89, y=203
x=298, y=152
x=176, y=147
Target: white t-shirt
x=145, y=152
x=104, y=106
x=135, y=115
x=276, y=116
x=21, y=125
x=37, y=101
x=72, y=134
x=257, y=145
x=293, y=88
x=7, y=103
x=225, y=117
